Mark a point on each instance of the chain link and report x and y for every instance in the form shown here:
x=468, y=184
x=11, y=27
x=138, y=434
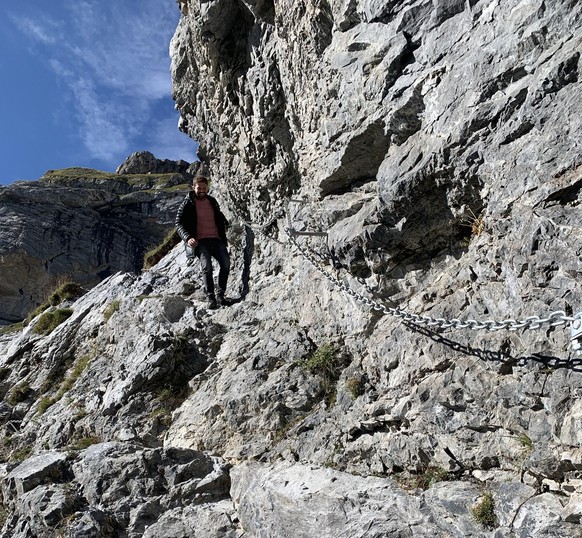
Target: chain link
x=555, y=319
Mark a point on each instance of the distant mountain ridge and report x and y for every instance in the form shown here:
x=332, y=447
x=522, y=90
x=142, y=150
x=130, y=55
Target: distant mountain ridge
x=404, y=183
x=84, y=225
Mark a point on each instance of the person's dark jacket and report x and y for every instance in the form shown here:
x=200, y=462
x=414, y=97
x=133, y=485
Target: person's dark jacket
x=186, y=218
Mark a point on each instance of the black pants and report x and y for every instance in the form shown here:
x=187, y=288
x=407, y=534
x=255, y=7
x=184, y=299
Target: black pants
x=206, y=250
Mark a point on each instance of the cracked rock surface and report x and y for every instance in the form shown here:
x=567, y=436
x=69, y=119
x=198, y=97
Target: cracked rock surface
x=438, y=145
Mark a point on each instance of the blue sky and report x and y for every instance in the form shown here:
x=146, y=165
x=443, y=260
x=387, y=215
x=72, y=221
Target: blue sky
x=86, y=83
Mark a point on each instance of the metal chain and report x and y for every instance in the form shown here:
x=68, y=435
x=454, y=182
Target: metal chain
x=555, y=319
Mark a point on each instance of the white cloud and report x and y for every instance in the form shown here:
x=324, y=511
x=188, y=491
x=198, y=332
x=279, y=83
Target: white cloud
x=114, y=60
x=125, y=49
x=45, y=33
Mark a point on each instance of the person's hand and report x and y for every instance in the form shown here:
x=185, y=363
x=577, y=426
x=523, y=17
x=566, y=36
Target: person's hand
x=192, y=242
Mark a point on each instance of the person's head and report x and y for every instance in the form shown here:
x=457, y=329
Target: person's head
x=200, y=186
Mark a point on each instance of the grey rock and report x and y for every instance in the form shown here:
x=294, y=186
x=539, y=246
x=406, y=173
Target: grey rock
x=33, y=472
x=218, y=520
x=437, y=143
x=145, y=162
x=82, y=228
x=291, y=500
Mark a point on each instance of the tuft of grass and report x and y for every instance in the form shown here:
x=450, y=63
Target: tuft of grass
x=49, y=321
x=355, y=386
x=287, y=424
x=66, y=290
x=78, y=368
x=12, y=328
x=327, y=365
x=525, y=441
x=20, y=454
x=45, y=403
x=19, y=393
x=85, y=442
x=484, y=511
x=112, y=307
x=475, y=223
x=430, y=475
x=155, y=254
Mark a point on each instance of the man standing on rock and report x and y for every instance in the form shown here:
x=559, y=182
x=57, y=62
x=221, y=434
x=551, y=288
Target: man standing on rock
x=202, y=226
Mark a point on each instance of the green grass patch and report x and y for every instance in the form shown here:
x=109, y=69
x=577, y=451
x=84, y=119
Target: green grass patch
x=484, y=511
x=49, y=321
x=112, y=307
x=45, y=403
x=12, y=328
x=155, y=254
x=78, y=368
x=143, y=181
x=66, y=290
x=525, y=442
x=85, y=442
x=430, y=476
x=20, y=454
x=355, y=386
x=19, y=393
x=327, y=364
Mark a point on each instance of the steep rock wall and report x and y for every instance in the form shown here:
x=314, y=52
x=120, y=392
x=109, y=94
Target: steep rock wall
x=76, y=224
x=438, y=143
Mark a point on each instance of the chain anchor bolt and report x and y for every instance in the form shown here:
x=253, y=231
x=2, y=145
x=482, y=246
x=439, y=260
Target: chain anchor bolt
x=576, y=333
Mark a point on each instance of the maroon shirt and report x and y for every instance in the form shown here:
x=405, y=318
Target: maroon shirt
x=206, y=223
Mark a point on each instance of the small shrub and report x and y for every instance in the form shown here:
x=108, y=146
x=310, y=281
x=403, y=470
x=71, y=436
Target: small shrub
x=327, y=365
x=19, y=393
x=112, y=307
x=484, y=511
x=154, y=255
x=49, y=321
x=85, y=442
x=355, y=386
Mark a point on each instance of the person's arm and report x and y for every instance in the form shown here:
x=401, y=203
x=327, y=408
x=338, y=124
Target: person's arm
x=182, y=225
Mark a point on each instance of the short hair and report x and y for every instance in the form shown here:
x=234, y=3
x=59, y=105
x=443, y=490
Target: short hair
x=200, y=179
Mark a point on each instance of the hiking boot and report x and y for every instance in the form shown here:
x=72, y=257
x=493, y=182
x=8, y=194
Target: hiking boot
x=212, y=304
x=221, y=299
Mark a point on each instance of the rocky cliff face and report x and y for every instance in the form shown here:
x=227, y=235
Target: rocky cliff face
x=83, y=225
x=438, y=145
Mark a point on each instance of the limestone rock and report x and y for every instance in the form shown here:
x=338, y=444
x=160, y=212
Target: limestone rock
x=295, y=500
x=437, y=142
x=145, y=162
x=78, y=224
